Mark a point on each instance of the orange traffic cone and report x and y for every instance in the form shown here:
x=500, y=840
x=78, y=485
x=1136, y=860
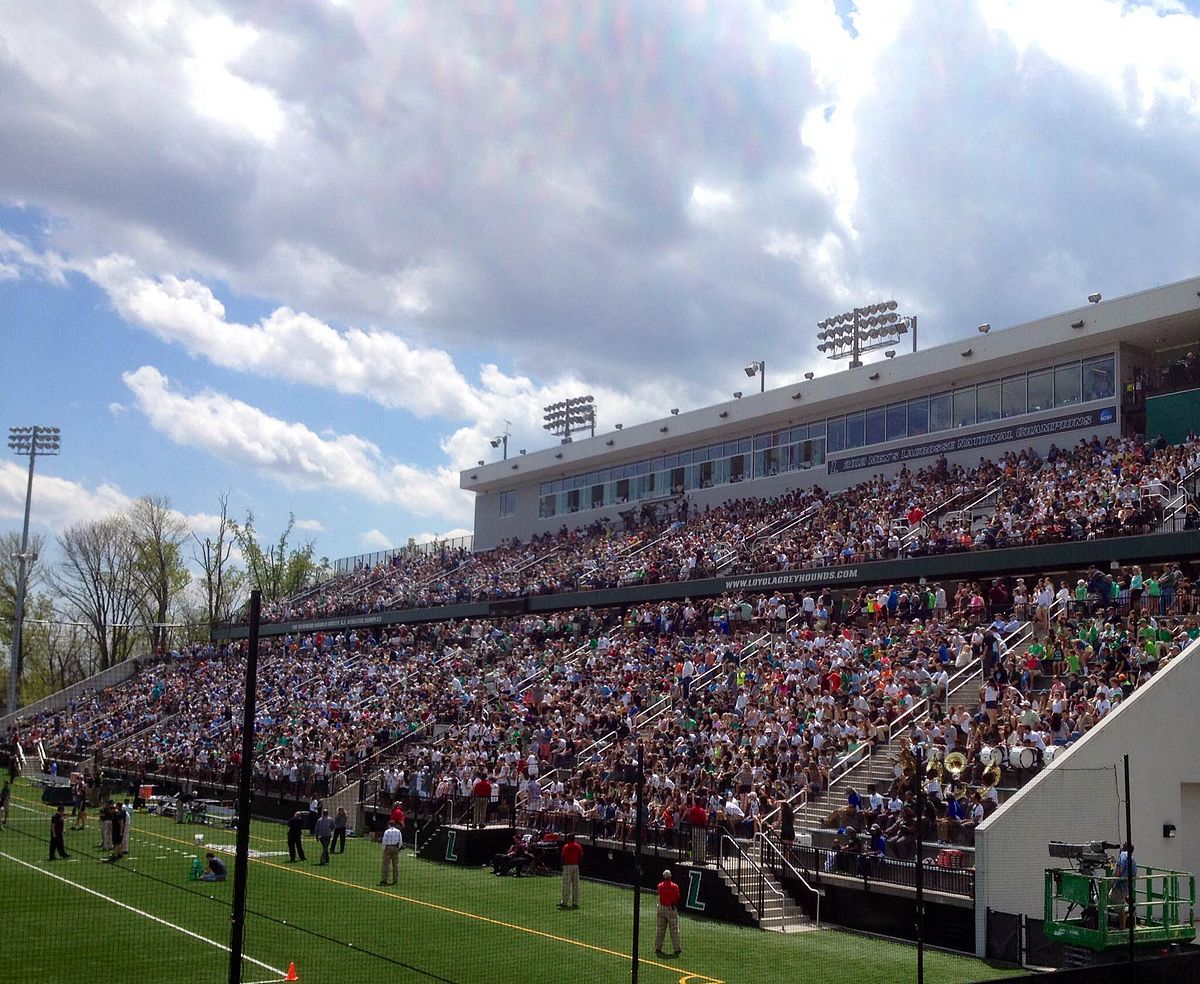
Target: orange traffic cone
x=291, y=974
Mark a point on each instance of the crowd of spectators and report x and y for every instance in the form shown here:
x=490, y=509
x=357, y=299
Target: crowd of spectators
x=1092, y=490
x=741, y=702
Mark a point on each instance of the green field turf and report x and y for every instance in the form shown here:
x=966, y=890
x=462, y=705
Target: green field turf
x=441, y=923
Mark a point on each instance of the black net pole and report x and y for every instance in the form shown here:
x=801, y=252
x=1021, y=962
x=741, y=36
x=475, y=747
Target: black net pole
x=1130, y=884
x=638, y=828
x=242, y=861
x=920, y=872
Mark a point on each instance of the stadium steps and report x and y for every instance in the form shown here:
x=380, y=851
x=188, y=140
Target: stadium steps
x=879, y=766
x=780, y=913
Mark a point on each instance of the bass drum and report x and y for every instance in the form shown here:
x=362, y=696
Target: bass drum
x=1023, y=757
x=1051, y=753
x=989, y=755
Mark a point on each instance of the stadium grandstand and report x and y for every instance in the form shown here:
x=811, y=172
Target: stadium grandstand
x=888, y=627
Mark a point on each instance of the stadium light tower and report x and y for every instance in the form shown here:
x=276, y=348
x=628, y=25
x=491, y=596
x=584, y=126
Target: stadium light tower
x=864, y=329
x=29, y=441
x=567, y=416
x=501, y=440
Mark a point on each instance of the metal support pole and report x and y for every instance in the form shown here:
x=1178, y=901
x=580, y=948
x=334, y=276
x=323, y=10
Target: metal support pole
x=920, y=872
x=639, y=829
x=242, y=860
x=15, y=662
x=1130, y=884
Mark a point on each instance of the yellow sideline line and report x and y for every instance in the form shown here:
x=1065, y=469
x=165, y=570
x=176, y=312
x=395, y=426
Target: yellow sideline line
x=686, y=978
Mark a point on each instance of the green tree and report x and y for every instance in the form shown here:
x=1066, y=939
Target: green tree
x=10, y=547
x=221, y=582
x=157, y=534
x=279, y=571
x=98, y=581
x=58, y=653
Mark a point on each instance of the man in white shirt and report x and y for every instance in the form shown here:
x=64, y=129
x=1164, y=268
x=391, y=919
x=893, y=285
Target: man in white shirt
x=391, y=841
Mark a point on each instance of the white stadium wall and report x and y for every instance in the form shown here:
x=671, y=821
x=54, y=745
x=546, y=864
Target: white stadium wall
x=1079, y=796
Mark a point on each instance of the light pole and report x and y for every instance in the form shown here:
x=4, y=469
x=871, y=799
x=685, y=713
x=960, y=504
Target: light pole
x=502, y=439
x=30, y=441
x=758, y=369
x=864, y=329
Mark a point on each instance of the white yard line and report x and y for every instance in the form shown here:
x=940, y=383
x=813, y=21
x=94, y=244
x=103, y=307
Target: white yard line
x=140, y=912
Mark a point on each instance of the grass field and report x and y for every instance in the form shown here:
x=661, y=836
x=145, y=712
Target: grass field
x=141, y=920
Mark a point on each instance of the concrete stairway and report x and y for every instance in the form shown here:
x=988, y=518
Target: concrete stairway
x=779, y=914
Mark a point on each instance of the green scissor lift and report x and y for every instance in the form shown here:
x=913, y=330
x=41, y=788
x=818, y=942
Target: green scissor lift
x=1080, y=911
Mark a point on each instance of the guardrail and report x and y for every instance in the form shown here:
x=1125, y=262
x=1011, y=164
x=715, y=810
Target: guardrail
x=768, y=848
x=741, y=867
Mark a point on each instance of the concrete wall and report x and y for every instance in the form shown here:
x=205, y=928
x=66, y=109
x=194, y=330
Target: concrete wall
x=1079, y=797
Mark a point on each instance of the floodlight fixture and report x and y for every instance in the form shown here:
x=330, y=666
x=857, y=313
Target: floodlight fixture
x=809, y=375
x=570, y=415
x=759, y=369
x=984, y=328
x=1077, y=324
x=863, y=329
x=737, y=394
x=1094, y=298
x=890, y=353
x=674, y=411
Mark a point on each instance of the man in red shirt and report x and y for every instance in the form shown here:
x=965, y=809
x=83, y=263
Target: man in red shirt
x=697, y=817
x=668, y=914
x=572, y=854
x=397, y=816
x=482, y=792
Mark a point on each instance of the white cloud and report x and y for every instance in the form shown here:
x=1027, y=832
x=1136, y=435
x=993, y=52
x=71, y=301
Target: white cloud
x=59, y=502
x=1144, y=55
x=217, y=91
x=310, y=525
x=455, y=534
x=291, y=453
x=375, y=540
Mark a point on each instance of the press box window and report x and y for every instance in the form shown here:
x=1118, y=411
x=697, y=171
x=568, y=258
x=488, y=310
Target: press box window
x=508, y=504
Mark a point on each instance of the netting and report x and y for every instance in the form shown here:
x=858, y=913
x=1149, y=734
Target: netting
x=471, y=906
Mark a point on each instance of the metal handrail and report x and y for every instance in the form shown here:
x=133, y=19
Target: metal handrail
x=764, y=842
x=764, y=880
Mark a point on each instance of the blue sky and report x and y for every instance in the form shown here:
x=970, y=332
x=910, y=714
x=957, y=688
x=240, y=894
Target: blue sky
x=315, y=254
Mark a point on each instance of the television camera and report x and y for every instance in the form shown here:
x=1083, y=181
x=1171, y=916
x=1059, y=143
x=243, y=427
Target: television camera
x=1090, y=857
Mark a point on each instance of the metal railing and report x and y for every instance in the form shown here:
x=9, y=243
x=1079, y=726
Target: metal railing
x=771, y=854
x=870, y=867
x=741, y=868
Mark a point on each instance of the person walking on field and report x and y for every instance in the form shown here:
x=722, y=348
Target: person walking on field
x=323, y=831
x=295, y=838
x=340, y=823
x=391, y=841
x=572, y=854
x=126, y=826
x=668, y=914
x=58, y=824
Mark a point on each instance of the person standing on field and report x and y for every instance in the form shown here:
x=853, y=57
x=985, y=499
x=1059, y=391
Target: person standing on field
x=323, y=831
x=340, y=823
x=668, y=914
x=482, y=795
x=57, y=826
x=391, y=841
x=295, y=838
x=572, y=854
